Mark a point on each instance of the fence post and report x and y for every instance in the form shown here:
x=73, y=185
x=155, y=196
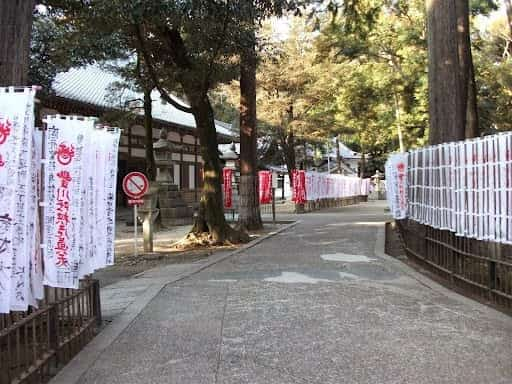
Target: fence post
x=492, y=278
x=96, y=302
x=53, y=331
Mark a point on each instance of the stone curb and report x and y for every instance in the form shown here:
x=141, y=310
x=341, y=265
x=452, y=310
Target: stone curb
x=431, y=284
x=85, y=359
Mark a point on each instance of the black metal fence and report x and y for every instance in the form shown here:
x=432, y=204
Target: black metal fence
x=34, y=344
x=479, y=268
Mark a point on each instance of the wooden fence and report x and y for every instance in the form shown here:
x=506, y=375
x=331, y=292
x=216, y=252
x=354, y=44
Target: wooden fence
x=34, y=344
x=482, y=269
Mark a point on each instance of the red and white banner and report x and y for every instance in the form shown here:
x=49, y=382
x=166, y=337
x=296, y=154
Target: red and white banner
x=265, y=187
x=299, y=187
x=464, y=187
x=17, y=208
x=331, y=186
x=63, y=198
x=227, y=174
x=396, y=185
x=79, y=196
x=75, y=184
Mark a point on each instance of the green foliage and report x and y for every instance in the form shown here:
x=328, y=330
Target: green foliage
x=493, y=66
x=483, y=7
x=58, y=45
x=378, y=70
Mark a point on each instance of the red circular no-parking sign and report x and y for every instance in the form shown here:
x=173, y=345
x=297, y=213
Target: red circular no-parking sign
x=135, y=185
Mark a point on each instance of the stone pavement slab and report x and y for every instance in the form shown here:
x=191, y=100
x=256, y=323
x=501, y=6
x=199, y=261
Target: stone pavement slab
x=123, y=301
x=318, y=303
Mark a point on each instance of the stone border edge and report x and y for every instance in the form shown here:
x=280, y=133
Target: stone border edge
x=73, y=371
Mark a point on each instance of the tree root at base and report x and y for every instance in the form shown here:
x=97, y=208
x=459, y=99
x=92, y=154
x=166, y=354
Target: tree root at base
x=206, y=239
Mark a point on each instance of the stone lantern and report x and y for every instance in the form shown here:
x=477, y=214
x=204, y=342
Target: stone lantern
x=378, y=185
x=232, y=160
x=163, y=158
x=173, y=209
x=231, y=157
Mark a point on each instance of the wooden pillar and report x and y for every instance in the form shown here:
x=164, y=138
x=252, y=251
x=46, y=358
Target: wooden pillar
x=196, y=172
x=130, y=142
x=181, y=160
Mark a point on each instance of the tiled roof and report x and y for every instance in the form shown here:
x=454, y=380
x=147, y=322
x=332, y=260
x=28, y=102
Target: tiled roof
x=94, y=85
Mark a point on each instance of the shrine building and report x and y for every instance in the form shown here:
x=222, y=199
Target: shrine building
x=93, y=91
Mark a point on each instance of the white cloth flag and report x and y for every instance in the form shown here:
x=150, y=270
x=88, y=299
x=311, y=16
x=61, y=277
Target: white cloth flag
x=16, y=126
x=98, y=198
x=64, y=149
x=111, y=154
x=80, y=190
x=396, y=185
x=25, y=216
x=331, y=186
x=36, y=289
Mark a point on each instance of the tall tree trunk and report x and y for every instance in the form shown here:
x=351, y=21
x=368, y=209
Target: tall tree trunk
x=338, y=154
x=148, y=137
x=466, y=73
x=508, y=6
x=211, y=210
x=249, y=209
x=472, y=123
x=287, y=143
x=15, y=32
x=399, y=123
x=447, y=103
x=362, y=166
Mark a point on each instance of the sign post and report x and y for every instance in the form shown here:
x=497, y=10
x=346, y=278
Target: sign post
x=274, y=186
x=135, y=186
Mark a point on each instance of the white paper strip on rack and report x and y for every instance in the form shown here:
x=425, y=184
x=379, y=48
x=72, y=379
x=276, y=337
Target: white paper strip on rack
x=15, y=114
x=63, y=178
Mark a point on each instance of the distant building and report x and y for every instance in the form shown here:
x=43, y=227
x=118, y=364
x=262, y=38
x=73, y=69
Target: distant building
x=92, y=91
x=349, y=160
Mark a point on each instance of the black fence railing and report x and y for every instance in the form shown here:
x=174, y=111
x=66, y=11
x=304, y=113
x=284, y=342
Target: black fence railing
x=34, y=344
x=478, y=268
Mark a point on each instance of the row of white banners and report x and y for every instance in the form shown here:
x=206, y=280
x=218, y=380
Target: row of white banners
x=78, y=201
x=464, y=187
x=333, y=186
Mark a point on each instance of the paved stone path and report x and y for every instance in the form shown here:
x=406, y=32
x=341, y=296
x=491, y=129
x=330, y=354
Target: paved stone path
x=317, y=303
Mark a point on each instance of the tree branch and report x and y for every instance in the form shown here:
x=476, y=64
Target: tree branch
x=152, y=73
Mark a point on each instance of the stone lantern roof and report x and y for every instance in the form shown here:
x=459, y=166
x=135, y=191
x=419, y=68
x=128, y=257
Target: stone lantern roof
x=230, y=154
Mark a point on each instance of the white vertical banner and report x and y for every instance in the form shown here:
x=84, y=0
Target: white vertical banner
x=396, y=184
x=100, y=244
x=62, y=196
x=111, y=153
x=36, y=291
x=21, y=245
x=16, y=126
x=87, y=193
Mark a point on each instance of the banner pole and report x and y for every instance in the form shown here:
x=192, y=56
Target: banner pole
x=135, y=228
x=274, y=206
